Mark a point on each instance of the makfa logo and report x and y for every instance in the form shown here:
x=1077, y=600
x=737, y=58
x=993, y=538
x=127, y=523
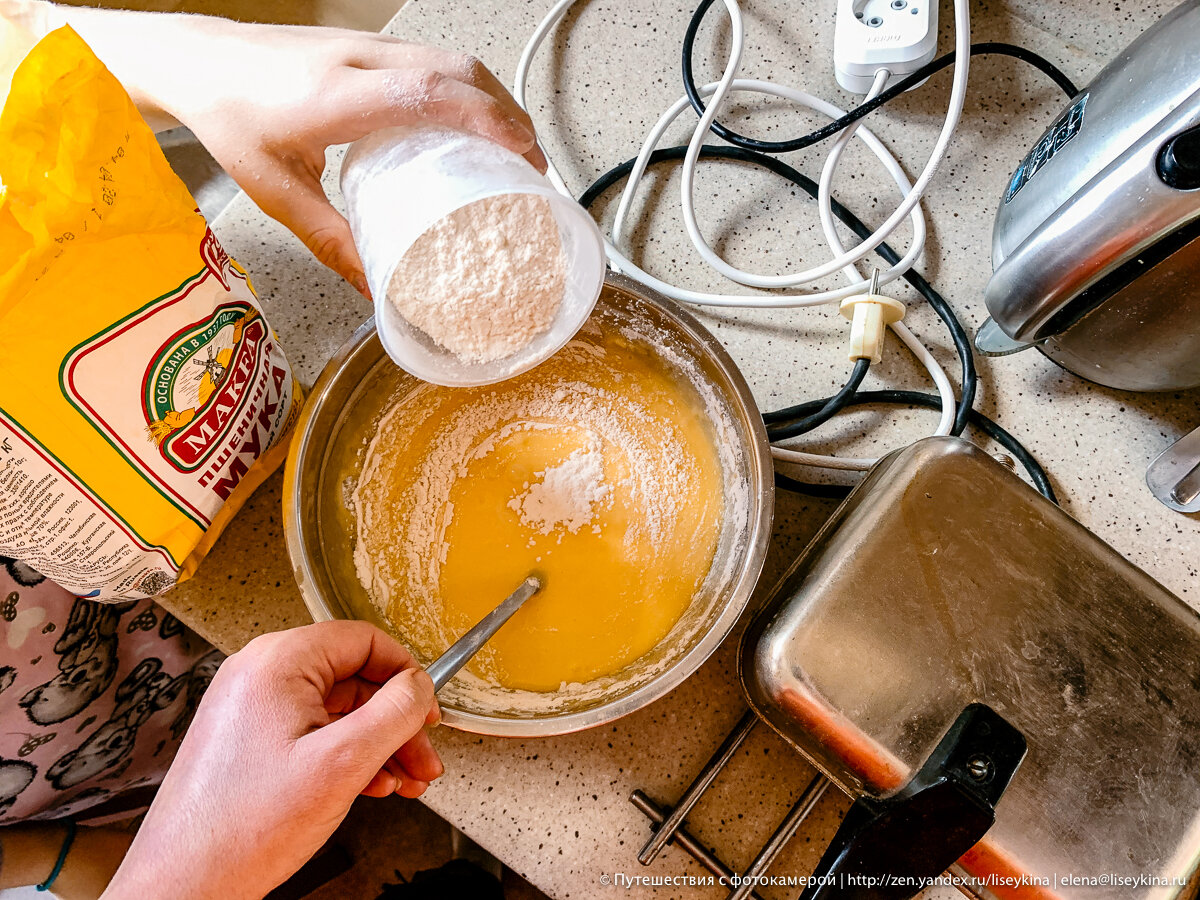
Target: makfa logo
x=197, y=381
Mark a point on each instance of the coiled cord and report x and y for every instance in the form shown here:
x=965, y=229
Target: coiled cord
x=800, y=419
x=808, y=412
x=987, y=48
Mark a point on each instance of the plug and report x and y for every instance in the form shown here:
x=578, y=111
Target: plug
x=869, y=35
x=870, y=314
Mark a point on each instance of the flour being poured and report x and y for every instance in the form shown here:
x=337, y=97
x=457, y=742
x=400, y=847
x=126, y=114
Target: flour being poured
x=567, y=495
x=485, y=280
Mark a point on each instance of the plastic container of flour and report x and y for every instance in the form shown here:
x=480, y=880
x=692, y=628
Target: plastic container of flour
x=400, y=182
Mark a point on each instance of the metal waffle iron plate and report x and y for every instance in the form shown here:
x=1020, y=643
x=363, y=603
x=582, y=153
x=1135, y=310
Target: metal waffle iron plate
x=945, y=581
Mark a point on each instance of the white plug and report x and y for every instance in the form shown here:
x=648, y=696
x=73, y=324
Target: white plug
x=897, y=35
x=870, y=314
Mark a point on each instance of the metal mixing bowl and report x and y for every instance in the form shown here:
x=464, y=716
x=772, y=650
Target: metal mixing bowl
x=320, y=536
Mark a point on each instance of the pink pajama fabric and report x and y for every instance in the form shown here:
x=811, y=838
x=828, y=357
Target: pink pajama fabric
x=94, y=697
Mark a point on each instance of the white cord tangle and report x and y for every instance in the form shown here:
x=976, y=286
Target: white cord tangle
x=825, y=186
x=717, y=93
x=740, y=300
x=825, y=205
x=945, y=389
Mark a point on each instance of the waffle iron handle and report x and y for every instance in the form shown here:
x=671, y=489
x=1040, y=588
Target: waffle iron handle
x=888, y=849
x=1174, y=476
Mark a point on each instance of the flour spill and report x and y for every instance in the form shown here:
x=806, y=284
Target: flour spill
x=567, y=495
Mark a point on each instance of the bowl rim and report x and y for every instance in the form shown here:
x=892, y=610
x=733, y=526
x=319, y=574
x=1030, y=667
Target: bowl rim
x=762, y=493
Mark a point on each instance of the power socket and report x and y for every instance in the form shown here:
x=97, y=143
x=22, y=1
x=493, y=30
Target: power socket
x=897, y=35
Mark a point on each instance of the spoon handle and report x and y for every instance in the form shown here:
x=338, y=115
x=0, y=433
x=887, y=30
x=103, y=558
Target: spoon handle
x=447, y=665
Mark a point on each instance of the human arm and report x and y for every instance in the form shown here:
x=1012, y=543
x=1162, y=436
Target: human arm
x=290, y=731
x=267, y=100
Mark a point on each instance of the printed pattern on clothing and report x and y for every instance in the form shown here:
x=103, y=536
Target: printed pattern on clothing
x=94, y=697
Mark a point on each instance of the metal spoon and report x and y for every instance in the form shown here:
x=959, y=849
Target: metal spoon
x=447, y=665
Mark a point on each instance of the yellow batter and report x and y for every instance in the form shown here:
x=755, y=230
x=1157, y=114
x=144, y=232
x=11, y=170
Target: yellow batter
x=596, y=470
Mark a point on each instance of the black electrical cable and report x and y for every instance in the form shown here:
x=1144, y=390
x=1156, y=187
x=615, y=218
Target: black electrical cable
x=835, y=127
x=977, y=420
x=832, y=407
x=806, y=416
x=824, y=491
x=964, y=413
x=958, y=334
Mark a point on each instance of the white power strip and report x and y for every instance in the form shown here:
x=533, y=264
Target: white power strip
x=897, y=35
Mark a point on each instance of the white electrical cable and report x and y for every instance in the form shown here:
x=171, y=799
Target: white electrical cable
x=907, y=205
x=829, y=227
x=521, y=79
x=824, y=200
x=825, y=185
x=819, y=461
x=800, y=457
x=945, y=391
x=716, y=104
x=843, y=260
x=634, y=179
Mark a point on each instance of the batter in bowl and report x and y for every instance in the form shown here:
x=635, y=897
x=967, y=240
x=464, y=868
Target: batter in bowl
x=596, y=470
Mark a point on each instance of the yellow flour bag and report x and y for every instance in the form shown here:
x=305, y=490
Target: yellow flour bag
x=143, y=395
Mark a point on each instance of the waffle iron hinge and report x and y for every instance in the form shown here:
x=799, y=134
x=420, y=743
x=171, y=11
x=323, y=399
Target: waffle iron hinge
x=886, y=849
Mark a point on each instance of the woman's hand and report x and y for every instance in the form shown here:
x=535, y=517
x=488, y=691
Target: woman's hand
x=267, y=100
x=292, y=729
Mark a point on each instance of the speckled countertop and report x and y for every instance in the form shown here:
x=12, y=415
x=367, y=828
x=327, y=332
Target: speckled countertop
x=557, y=810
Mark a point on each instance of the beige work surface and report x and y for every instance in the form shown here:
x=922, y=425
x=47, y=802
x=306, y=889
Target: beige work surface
x=557, y=810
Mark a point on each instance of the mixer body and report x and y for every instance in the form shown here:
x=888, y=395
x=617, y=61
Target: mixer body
x=1146, y=336
x=1096, y=245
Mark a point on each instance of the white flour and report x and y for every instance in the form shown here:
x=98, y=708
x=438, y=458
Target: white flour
x=567, y=494
x=485, y=280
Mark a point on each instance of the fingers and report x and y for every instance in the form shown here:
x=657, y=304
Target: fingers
x=385, y=783
x=406, y=785
x=298, y=201
x=348, y=695
x=409, y=771
x=382, y=784
x=419, y=760
x=411, y=789
x=414, y=766
x=399, y=709
x=351, y=649
x=536, y=158
x=367, y=737
x=382, y=52
x=377, y=701
x=386, y=98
